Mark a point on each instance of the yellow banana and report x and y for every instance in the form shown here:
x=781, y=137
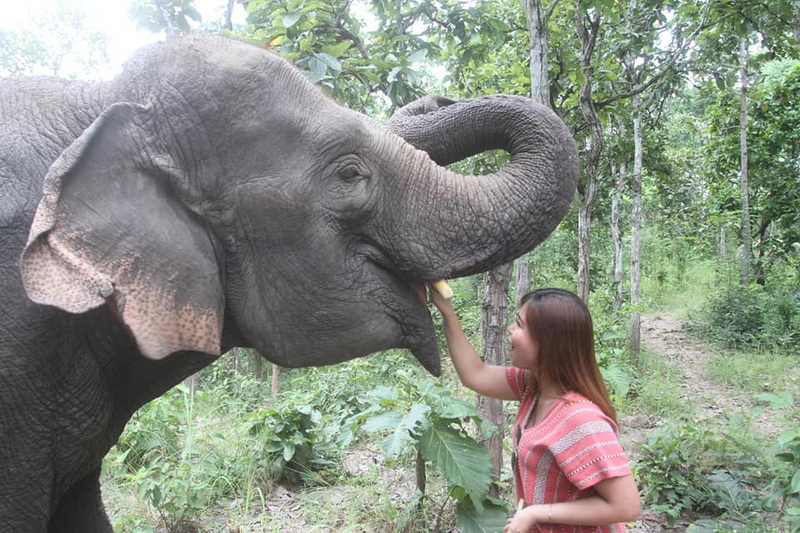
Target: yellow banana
x=443, y=288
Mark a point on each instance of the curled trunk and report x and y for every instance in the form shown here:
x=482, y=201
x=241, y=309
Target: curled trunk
x=484, y=221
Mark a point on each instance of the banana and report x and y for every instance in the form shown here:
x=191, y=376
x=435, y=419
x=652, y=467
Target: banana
x=443, y=288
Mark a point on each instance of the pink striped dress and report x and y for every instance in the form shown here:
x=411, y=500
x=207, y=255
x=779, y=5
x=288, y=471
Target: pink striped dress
x=572, y=448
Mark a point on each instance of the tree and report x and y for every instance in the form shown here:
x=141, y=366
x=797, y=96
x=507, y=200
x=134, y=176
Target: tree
x=747, y=236
x=170, y=16
x=58, y=42
x=540, y=93
x=774, y=142
x=723, y=57
x=587, y=24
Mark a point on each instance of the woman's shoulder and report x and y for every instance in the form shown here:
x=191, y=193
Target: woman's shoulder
x=579, y=409
x=520, y=381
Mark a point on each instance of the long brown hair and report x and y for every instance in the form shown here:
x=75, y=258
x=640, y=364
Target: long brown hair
x=561, y=325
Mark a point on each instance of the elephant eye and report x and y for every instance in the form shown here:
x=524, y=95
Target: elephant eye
x=350, y=173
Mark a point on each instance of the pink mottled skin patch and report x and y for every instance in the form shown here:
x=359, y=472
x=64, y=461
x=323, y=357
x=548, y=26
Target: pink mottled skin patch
x=56, y=275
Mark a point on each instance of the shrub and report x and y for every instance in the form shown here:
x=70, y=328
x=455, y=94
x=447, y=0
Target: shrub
x=713, y=469
x=786, y=479
x=754, y=316
x=291, y=439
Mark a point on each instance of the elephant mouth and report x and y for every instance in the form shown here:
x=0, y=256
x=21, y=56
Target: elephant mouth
x=424, y=344
x=402, y=299
x=405, y=301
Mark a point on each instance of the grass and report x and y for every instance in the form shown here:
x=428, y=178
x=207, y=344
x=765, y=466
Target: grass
x=658, y=390
x=755, y=371
x=683, y=295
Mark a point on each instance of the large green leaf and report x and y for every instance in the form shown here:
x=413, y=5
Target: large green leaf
x=291, y=18
x=491, y=519
x=463, y=461
x=387, y=420
x=404, y=428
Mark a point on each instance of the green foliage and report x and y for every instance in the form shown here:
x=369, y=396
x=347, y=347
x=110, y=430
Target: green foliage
x=754, y=371
x=704, y=468
x=787, y=450
x=161, y=456
x=774, y=142
x=656, y=389
x=285, y=437
x=426, y=417
x=611, y=350
x=774, y=159
x=171, y=16
x=183, y=452
x=56, y=41
x=754, y=316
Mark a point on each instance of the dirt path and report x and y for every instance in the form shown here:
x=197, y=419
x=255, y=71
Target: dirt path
x=670, y=337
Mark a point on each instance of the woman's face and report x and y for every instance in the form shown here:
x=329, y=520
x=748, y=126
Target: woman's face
x=524, y=350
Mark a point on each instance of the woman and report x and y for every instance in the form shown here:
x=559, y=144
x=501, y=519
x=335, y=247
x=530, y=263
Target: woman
x=569, y=467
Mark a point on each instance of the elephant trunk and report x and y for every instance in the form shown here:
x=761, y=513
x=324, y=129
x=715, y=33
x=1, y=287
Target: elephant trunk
x=469, y=224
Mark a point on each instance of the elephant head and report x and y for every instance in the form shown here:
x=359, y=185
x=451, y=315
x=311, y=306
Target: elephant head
x=223, y=199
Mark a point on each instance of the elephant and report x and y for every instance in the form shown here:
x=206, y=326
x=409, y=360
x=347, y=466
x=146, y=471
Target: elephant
x=208, y=197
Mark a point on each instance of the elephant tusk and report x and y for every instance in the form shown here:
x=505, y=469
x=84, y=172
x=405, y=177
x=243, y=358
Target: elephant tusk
x=443, y=288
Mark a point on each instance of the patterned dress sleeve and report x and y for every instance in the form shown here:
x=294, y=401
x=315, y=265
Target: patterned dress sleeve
x=589, y=451
x=516, y=378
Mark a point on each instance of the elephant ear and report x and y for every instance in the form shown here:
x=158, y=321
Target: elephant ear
x=110, y=229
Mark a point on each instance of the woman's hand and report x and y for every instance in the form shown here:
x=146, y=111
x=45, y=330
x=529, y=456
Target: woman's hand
x=442, y=304
x=523, y=520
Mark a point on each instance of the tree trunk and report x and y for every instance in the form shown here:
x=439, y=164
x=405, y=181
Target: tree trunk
x=616, y=233
x=796, y=23
x=229, y=16
x=276, y=380
x=421, y=474
x=584, y=248
x=587, y=24
x=494, y=317
x=636, y=230
x=537, y=28
x=523, y=279
x=258, y=364
x=747, y=236
x=540, y=93
x=192, y=382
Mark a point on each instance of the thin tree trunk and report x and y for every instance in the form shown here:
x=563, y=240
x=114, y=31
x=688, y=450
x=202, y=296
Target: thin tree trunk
x=588, y=26
x=192, y=382
x=537, y=28
x=540, y=93
x=636, y=230
x=421, y=475
x=747, y=236
x=276, y=380
x=584, y=246
x=494, y=317
x=166, y=19
x=523, y=279
x=796, y=24
x=616, y=233
x=229, y=16
x=258, y=364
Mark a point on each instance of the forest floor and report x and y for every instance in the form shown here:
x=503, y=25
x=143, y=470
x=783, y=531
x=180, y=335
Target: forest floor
x=678, y=347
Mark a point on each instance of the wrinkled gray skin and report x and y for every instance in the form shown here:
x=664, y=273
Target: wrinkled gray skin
x=212, y=197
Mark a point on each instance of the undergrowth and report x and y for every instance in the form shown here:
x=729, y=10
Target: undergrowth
x=218, y=458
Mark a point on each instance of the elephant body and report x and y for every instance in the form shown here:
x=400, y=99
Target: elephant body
x=212, y=197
